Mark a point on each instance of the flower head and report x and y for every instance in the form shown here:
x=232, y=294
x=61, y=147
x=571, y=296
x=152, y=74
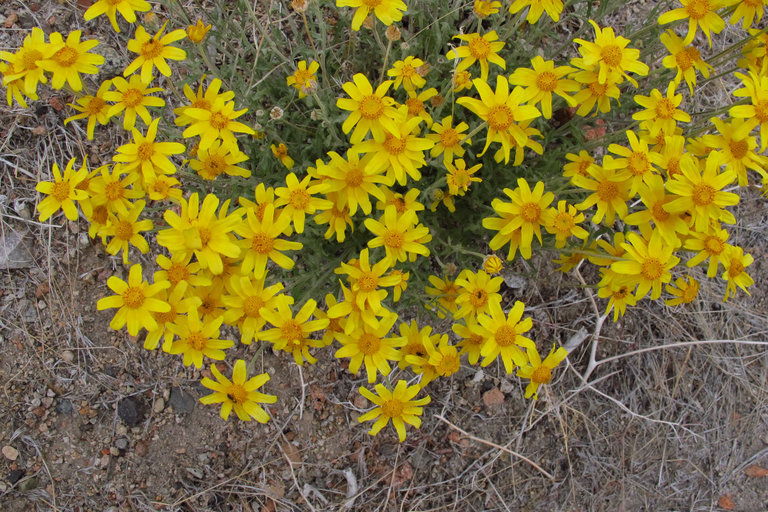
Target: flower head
x=135, y=300
x=239, y=394
x=153, y=52
x=126, y=8
x=396, y=405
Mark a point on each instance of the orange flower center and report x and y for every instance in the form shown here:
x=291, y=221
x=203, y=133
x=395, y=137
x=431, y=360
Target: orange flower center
x=66, y=57
x=60, y=191
x=219, y=121
x=252, y=305
x=658, y=211
x=683, y=59
x=100, y=214
x=354, y=177
x=300, y=199
x=151, y=50
x=448, y=365
x=697, y=9
x=607, y=191
x=407, y=71
x=237, y=394
x=369, y=344
x=371, y=107
x=197, y=341
x=637, y=163
x=703, y=194
x=505, y=336
x=761, y=111
x=500, y=118
x=114, y=190
x=133, y=297
x=530, y=212
x=177, y=273
x=392, y=408
x=30, y=58
x=95, y=106
x=214, y=165
x=611, y=55
x=262, y=243
x=394, y=145
x=393, y=239
x=292, y=332
x=621, y=293
x=201, y=103
x=124, y=230
x=714, y=245
x=145, y=151
x=583, y=166
x=673, y=167
x=132, y=98
x=738, y=148
x=367, y=282
x=541, y=375
x=651, y=269
x=563, y=223
x=205, y=235
x=546, y=81
x=597, y=89
x=479, y=48
x=460, y=178
x=665, y=109
x=167, y=317
x=735, y=268
x=415, y=106
x=449, y=138
x=478, y=298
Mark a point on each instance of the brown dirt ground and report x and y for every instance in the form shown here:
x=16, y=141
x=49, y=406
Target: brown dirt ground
x=678, y=429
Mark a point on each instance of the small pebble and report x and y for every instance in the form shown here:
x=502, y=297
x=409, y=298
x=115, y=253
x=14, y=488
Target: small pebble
x=10, y=453
x=67, y=356
x=114, y=451
x=121, y=443
x=35, y=402
x=159, y=406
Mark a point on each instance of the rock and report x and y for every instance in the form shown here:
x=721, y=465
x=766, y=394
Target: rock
x=10, y=453
x=14, y=252
x=128, y=411
x=67, y=356
x=141, y=448
x=121, y=443
x=63, y=406
x=493, y=397
x=27, y=311
x=182, y=402
x=14, y=476
x=28, y=484
x=197, y=473
x=114, y=451
x=159, y=406
x=47, y=402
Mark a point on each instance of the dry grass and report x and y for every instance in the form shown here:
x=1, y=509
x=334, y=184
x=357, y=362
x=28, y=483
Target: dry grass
x=664, y=429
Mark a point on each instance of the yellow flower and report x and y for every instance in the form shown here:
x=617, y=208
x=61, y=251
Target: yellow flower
x=367, y=279
x=756, y=89
x=448, y=140
x=638, y=160
x=135, y=301
x=71, y=59
x=63, y=191
x=528, y=212
x=180, y=305
x=198, y=338
x=414, y=340
x=202, y=100
x=261, y=241
x=654, y=197
x=503, y=336
x=217, y=122
x=108, y=188
x=370, y=111
x=388, y=11
x=405, y=72
x=700, y=13
x=446, y=292
x=244, y=303
x=700, y=193
x=480, y=48
x=484, y=8
x=661, y=110
x=369, y=346
x=401, y=202
x=400, y=235
x=618, y=290
x=502, y=112
x=462, y=80
x=337, y=220
x=147, y=156
x=14, y=87
x=735, y=262
x=153, y=52
x=579, y=164
x=25, y=64
x=710, y=244
x=540, y=372
x=126, y=229
x=396, y=405
x=684, y=292
x=459, y=178
x=563, y=223
x=595, y=93
x=609, y=56
x=399, y=287
x=553, y=8
x=297, y=199
x=544, y=80
x=292, y=334
x=471, y=342
x=281, y=153
x=352, y=180
x=647, y=262
x=476, y=293
x=126, y=8
x=179, y=269
x=93, y=107
x=736, y=147
x=239, y=394
x=304, y=79
x=200, y=231
x=610, y=193
x=493, y=264
x=400, y=152
x=684, y=59
x=219, y=158
x=415, y=104
x=197, y=32
x=131, y=97
x=441, y=359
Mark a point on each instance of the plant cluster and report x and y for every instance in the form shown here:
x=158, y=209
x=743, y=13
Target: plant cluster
x=400, y=207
